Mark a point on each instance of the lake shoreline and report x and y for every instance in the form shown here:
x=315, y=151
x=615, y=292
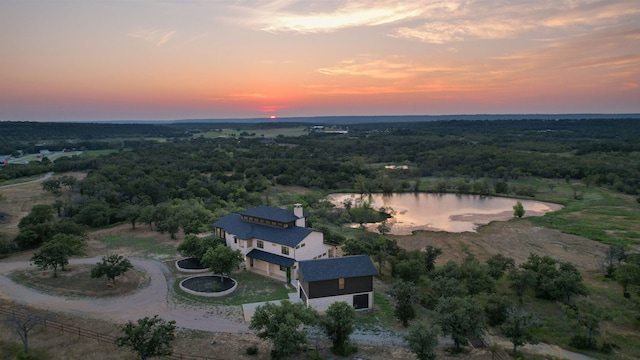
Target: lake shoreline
x=443, y=212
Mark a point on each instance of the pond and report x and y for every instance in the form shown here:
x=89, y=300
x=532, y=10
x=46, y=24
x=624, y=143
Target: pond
x=443, y=212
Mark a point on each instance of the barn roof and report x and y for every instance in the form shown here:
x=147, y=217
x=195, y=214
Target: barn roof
x=337, y=267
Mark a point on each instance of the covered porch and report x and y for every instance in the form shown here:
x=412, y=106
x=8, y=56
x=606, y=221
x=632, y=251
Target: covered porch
x=270, y=265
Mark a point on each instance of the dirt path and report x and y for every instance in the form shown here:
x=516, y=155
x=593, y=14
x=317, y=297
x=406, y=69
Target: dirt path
x=151, y=300
x=47, y=176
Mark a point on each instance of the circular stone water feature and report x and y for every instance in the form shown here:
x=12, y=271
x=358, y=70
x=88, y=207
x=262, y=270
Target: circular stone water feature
x=190, y=265
x=208, y=285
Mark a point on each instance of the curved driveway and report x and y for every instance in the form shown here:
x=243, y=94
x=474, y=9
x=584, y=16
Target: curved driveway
x=151, y=300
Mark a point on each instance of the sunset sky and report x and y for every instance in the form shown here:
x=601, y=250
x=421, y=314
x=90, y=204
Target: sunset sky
x=162, y=60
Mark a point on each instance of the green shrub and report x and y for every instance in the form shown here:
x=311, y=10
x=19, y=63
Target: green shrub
x=345, y=349
x=252, y=350
x=607, y=348
x=582, y=342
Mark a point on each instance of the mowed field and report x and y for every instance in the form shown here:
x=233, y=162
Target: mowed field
x=264, y=133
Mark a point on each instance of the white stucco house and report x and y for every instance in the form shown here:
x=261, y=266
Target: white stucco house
x=272, y=240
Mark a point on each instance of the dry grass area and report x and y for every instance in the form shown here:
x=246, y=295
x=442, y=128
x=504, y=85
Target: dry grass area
x=19, y=199
x=516, y=239
x=76, y=281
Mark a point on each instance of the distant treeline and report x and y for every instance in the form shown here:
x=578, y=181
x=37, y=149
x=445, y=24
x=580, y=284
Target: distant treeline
x=32, y=137
x=603, y=152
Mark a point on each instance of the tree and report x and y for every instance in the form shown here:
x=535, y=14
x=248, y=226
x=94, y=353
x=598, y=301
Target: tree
x=56, y=253
x=195, y=246
x=68, y=181
x=588, y=315
x=148, y=337
x=221, y=259
x=497, y=309
x=627, y=274
x=430, y=255
x=330, y=237
x=405, y=294
x=518, y=210
x=111, y=266
x=39, y=214
x=22, y=325
x=384, y=227
x=356, y=247
x=422, y=340
x=338, y=325
x=459, y=317
x=6, y=245
x=53, y=186
x=517, y=328
x=498, y=264
x=551, y=279
x=282, y=324
x=131, y=213
x=568, y=282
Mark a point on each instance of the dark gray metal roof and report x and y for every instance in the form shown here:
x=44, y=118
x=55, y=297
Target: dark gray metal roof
x=271, y=213
x=245, y=230
x=270, y=258
x=337, y=267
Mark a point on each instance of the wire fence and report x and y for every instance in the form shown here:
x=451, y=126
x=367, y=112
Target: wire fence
x=74, y=330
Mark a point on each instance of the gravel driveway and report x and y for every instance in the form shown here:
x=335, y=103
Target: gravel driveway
x=151, y=300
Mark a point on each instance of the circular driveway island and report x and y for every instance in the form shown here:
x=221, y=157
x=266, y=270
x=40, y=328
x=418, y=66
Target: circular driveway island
x=151, y=300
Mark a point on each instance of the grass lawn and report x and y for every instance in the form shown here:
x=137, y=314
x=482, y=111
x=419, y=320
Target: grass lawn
x=381, y=317
x=145, y=245
x=251, y=288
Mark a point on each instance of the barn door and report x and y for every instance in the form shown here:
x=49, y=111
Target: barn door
x=361, y=301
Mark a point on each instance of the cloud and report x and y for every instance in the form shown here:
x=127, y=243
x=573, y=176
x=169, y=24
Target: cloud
x=593, y=13
x=389, y=68
x=438, y=21
x=591, y=59
x=444, y=32
x=607, y=48
x=315, y=17
x=158, y=37
x=494, y=20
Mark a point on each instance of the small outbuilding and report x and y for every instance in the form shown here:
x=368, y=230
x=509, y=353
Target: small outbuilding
x=322, y=282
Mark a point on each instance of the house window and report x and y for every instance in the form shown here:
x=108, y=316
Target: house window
x=283, y=268
x=285, y=250
x=260, y=244
x=341, y=283
x=235, y=240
